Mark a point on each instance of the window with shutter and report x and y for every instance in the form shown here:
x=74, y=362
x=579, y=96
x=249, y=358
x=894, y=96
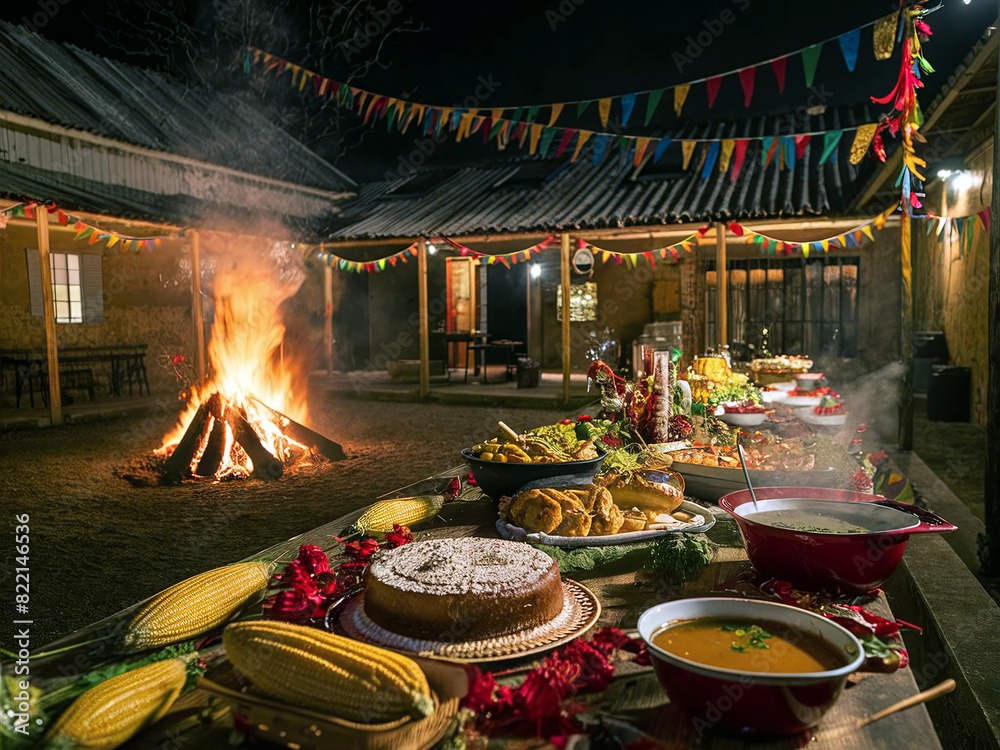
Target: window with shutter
x=77, y=286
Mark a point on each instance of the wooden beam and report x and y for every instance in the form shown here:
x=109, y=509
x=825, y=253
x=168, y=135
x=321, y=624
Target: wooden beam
x=989, y=544
x=651, y=232
x=328, y=317
x=425, y=347
x=721, y=288
x=49, y=315
x=905, y=433
x=198, y=313
x=565, y=284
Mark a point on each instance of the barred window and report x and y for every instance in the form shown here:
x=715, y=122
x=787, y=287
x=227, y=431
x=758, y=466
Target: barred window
x=789, y=305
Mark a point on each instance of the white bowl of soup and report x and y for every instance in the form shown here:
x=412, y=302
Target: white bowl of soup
x=749, y=667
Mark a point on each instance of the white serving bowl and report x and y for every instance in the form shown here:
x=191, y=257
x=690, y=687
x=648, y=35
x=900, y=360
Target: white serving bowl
x=743, y=420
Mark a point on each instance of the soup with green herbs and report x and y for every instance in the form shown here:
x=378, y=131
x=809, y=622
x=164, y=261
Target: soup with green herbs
x=758, y=646
x=810, y=520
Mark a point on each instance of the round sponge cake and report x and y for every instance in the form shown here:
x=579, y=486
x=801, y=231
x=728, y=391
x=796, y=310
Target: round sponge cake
x=462, y=589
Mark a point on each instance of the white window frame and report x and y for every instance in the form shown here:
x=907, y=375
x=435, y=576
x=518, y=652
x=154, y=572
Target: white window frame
x=77, y=297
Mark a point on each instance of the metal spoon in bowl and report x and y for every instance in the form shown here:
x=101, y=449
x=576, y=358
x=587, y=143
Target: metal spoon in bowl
x=746, y=472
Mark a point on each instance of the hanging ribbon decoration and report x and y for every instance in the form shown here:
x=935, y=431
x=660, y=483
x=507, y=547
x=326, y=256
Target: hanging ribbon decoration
x=905, y=118
x=669, y=253
x=403, y=256
x=519, y=125
x=93, y=234
x=966, y=230
x=504, y=259
x=853, y=238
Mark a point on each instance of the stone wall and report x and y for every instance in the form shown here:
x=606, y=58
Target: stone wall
x=147, y=300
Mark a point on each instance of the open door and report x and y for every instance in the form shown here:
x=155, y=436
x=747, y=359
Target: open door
x=460, y=275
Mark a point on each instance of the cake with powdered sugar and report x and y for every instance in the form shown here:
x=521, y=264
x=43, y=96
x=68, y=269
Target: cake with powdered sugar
x=462, y=589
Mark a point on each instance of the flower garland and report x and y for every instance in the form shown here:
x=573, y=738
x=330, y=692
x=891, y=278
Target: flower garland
x=540, y=706
x=308, y=586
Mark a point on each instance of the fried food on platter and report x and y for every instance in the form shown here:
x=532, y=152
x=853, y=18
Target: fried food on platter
x=635, y=490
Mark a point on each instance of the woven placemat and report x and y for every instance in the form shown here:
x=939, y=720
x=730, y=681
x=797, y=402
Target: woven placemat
x=579, y=613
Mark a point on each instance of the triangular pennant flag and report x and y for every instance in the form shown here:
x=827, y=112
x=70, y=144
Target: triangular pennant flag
x=884, y=37
x=604, y=110
x=687, y=149
x=554, y=112
x=849, y=44
x=641, y=144
x=712, y=89
x=652, y=103
x=984, y=216
x=810, y=59
x=779, y=66
x=600, y=147
x=680, y=96
x=710, y=159
x=546, y=140
x=787, y=151
x=628, y=104
x=536, y=132
x=747, y=76
x=520, y=134
x=801, y=143
x=532, y=113
x=862, y=140
x=581, y=107
x=624, y=149
x=867, y=230
x=565, y=140
x=830, y=140
x=726, y=154
x=768, y=144
x=583, y=137
x=661, y=148
x=739, y=154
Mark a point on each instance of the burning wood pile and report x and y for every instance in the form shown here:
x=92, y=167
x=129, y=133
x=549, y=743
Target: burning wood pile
x=247, y=420
x=221, y=442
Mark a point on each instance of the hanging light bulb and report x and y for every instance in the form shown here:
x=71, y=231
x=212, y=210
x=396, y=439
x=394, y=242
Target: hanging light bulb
x=431, y=248
x=536, y=270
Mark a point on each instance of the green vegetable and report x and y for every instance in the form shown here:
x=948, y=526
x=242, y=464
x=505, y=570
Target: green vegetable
x=588, y=558
x=677, y=558
x=754, y=636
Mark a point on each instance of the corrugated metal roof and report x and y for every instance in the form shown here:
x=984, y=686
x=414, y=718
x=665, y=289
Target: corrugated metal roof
x=579, y=195
x=67, y=86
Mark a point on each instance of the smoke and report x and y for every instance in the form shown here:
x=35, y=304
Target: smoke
x=873, y=398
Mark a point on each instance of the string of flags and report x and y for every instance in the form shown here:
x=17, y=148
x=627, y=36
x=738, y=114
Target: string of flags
x=852, y=238
x=670, y=253
x=520, y=128
x=966, y=230
x=625, y=105
x=93, y=234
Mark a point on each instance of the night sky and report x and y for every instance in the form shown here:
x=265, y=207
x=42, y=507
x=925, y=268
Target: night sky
x=538, y=52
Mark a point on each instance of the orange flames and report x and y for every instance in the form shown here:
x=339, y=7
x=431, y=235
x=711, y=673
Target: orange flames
x=249, y=370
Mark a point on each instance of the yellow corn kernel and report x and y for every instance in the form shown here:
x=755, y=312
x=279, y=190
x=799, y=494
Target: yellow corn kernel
x=406, y=511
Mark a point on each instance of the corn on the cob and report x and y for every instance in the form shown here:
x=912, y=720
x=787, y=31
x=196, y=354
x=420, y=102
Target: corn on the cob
x=195, y=606
x=327, y=672
x=407, y=511
x=111, y=712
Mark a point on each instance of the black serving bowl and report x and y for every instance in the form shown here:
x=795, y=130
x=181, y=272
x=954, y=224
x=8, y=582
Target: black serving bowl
x=497, y=479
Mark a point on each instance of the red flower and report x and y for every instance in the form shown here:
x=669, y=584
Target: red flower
x=470, y=480
x=362, y=550
x=585, y=418
x=313, y=559
x=453, y=488
x=862, y=428
x=399, y=536
x=611, y=440
x=482, y=685
x=878, y=457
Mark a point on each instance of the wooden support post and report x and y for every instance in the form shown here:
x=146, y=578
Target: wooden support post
x=328, y=316
x=721, y=287
x=425, y=348
x=49, y=315
x=197, y=313
x=564, y=281
x=905, y=432
x=989, y=543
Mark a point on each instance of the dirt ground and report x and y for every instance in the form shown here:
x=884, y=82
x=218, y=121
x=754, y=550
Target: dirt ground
x=99, y=544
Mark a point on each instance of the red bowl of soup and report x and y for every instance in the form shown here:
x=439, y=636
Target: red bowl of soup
x=822, y=539
x=747, y=667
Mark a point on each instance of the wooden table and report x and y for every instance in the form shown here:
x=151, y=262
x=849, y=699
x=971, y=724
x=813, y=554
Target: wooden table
x=634, y=697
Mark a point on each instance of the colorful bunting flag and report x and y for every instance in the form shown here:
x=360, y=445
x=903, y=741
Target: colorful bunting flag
x=687, y=149
x=604, y=110
x=652, y=103
x=779, y=66
x=712, y=89
x=739, y=154
x=747, y=76
x=680, y=96
x=830, y=140
x=810, y=59
x=628, y=104
x=849, y=44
